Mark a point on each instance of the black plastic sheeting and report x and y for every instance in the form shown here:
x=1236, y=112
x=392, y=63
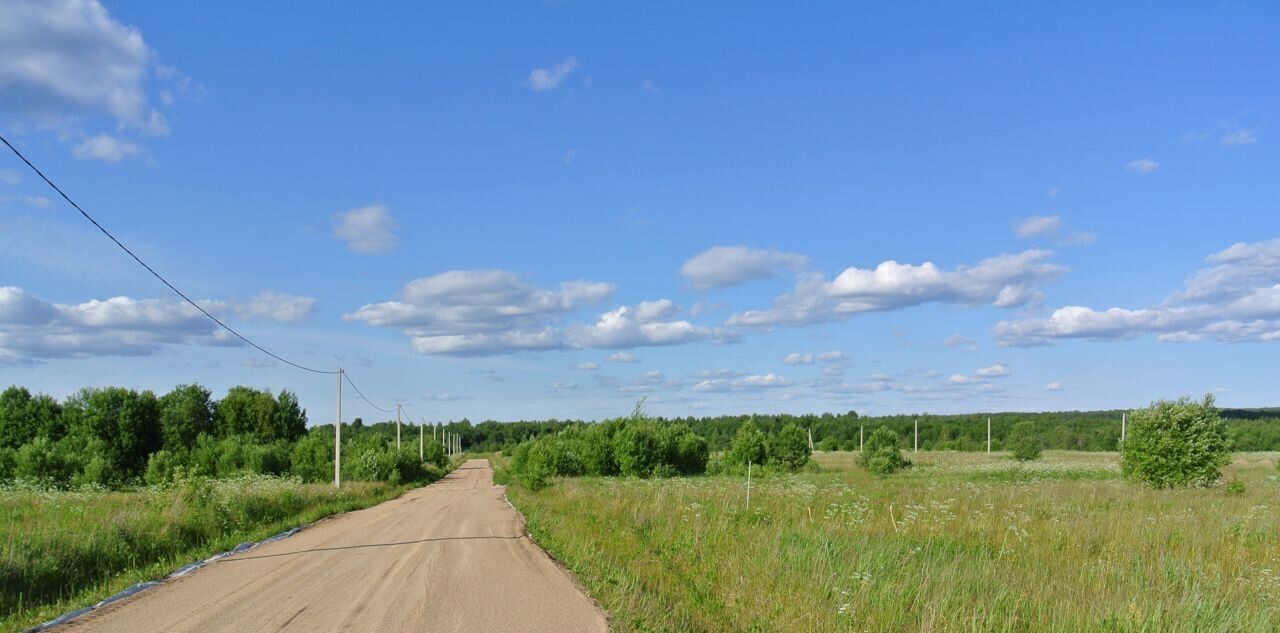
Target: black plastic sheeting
x=143, y=586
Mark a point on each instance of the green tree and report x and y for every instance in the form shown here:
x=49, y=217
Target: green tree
x=748, y=446
x=126, y=422
x=23, y=417
x=881, y=455
x=289, y=419
x=1024, y=442
x=185, y=413
x=1176, y=443
x=790, y=448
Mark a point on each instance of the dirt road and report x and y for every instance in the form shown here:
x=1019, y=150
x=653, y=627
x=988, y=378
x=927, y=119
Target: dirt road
x=448, y=557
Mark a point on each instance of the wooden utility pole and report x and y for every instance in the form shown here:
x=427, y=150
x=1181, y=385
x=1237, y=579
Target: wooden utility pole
x=810, y=439
x=337, y=438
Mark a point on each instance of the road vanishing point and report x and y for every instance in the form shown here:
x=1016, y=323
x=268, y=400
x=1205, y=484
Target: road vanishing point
x=452, y=556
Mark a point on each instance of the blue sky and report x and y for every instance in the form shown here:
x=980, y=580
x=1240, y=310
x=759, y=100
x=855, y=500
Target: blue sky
x=763, y=208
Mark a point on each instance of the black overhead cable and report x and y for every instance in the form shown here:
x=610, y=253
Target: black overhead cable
x=152, y=270
x=174, y=288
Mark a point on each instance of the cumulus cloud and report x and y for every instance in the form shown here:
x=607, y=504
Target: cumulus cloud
x=1237, y=299
x=477, y=312
x=724, y=266
x=997, y=370
x=32, y=328
x=798, y=359
x=370, y=229
x=267, y=305
x=105, y=148
x=1005, y=281
x=543, y=79
x=748, y=383
x=832, y=356
x=1143, y=166
x=588, y=366
x=66, y=63
x=623, y=357
x=965, y=343
x=1038, y=226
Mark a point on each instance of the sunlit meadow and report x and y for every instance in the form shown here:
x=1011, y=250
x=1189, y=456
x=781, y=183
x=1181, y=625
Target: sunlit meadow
x=962, y=542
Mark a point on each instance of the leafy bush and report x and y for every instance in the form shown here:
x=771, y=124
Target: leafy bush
x=881, y=455
x=749, y=447
x=44, y=462
x=789, y=450
x=1024, y=442
x=1176, y=443
x=161, y=467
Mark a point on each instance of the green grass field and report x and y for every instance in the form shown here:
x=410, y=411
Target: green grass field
x=64, y=550
x=962, y=542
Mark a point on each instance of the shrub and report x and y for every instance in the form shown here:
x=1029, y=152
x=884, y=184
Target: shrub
x=637, y=448
x=8, y=461
x=790, y=449
x=44, y=462
x=829, y=444
x=748, y=447
x=531, y=464
x=1024, y=442
x=880, y=455
x=1176, y=443
x=160, y=467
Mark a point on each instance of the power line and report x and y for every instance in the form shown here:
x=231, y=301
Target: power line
x=157, y=275
x=362, y=396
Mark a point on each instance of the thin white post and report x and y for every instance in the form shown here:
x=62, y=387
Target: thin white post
x=916, y=447
x=337, y=438
x=811, y=439
x=422, y=435
x=748, y=486
x=859, y=439
x=988, y=435
x=397, y=428
x=1124, y=422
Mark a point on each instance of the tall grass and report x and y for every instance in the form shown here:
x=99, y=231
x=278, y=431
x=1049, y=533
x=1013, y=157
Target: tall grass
x=962, y=542
x=61, y=550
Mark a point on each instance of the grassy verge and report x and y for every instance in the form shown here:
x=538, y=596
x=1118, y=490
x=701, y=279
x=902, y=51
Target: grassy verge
x=963, y=542
x=65, y=550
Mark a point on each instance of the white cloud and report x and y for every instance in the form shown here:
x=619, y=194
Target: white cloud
x=66, y=64
x=640, y=325
x=1240, y=136
x=369, y=229
x=39, y=202
x=542, y=79
x=1038, y=226
x=32, y=328
x=749, y=383
x=105, y=148
x=1004, y=281
x=1143, y=166
x=1236, y=300
x=1053, y=386
x=957, y=340
x=9, y=177
x=623, y=357
x=724, y=266
x=961, y=379
x=269, y=305
x=831, y=357
x=798, y=359
x=588, y=366
x=997, y=370
x=444, y=397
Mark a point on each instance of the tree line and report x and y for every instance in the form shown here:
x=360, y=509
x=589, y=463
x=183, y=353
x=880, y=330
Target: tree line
x=1248, y=429
x=114, y=437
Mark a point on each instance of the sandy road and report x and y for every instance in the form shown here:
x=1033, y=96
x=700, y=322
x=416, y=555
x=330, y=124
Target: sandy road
x=448, y=557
